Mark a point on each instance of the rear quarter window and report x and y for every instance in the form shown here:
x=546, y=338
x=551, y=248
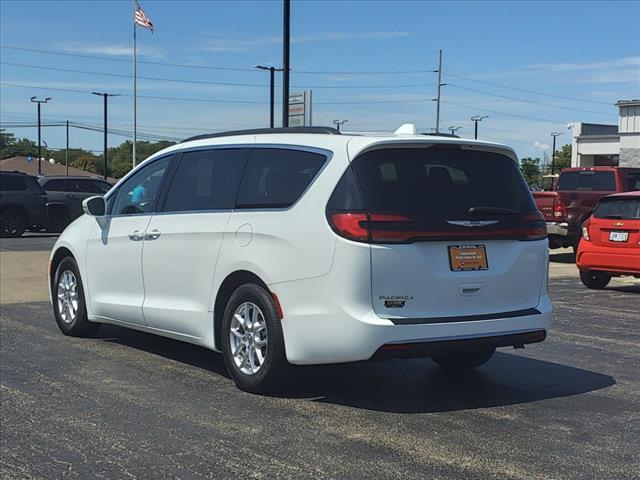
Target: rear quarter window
x=12, y=183
x=277, y=178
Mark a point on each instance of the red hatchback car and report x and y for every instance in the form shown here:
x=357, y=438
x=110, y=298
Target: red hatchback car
x=610, y=244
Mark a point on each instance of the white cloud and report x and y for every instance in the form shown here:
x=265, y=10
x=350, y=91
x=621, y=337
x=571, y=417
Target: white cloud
x=116, y=50
x=571, y=67
x=540, y=146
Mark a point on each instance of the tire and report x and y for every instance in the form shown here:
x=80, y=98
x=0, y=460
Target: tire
x=59, y=218
x=464, y=361
x=64, y=299
x=595, y=280
x=12, y=223
x=262, y=339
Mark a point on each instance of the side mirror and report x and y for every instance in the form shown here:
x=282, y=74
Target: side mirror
x=94, y=206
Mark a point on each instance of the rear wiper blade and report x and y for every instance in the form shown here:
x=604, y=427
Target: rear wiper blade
x=493, y=211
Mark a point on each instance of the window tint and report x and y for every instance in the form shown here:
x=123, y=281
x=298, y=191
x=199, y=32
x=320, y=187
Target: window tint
x=633, y=181
x=206, y=180
x=277, y=177
x=440, y=183
x=346, y=196
x=587, y=180
x=100, y=187
x=623, y=208
x=139, y=193
x=55, y=185
x=12, y=183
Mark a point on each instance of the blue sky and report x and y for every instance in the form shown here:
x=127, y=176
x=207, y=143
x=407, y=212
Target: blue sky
x=588, y=52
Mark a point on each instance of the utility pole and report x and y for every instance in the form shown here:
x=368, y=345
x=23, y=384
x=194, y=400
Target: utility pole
x=39, y=102
x=285, y=62
x=553, y=151
x=438, y=85
x=272, y=96
x=476, y=119
x=105, y=96
x=337, y=122
x=66, y=153
x=453, y=129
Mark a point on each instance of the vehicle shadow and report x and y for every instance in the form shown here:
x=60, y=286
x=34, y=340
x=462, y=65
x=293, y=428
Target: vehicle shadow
x=398, y=386
x=568, y=257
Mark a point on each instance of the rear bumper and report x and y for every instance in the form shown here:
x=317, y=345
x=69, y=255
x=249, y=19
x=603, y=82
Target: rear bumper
x=439, y=347
x=558, y=228
x=616, y=260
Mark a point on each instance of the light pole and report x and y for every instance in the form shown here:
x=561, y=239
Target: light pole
x=105, y=96
x=453, y=129
x=337, y=122
x=39, y=102
x=476, y=119
x=272, y=71
x=553, y=151
x=286, y=34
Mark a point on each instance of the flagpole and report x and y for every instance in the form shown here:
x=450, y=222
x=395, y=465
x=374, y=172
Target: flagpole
x=135, y=87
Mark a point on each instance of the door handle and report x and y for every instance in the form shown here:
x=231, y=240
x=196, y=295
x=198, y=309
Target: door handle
x=136, y=236
x=152, y=235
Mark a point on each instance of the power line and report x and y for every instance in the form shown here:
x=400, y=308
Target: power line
x=186, y=99
x=471, y=107
x=204, y=82
x=209, y=67
x=482, y=92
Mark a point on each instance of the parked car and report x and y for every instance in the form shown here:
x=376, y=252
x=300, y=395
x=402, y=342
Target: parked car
x=304, y=246
x=22, y=204
x=576, y=194
x=65, y=196
x=610, y=244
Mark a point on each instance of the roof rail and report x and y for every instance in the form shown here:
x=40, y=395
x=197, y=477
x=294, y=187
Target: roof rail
x=257, y=131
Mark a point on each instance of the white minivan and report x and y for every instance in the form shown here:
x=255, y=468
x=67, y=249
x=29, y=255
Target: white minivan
x=306, y=246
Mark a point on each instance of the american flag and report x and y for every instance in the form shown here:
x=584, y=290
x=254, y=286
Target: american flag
x=141, y=19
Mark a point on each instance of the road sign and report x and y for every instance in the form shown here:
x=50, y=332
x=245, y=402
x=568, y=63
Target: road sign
x=300, y=109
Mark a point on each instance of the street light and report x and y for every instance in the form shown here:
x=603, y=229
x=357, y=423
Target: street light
x=553, y=151
x=105, y=96
x=476, y=119
x=337, y=122
x=453, y=129
x=272, y=71
x=39, y=102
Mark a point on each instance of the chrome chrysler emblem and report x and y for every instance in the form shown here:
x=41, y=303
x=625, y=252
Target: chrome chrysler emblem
x=472, y=223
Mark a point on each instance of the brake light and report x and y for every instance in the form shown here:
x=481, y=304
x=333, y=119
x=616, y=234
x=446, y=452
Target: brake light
x=585, y=230
x=559, y=209
x=385, y=228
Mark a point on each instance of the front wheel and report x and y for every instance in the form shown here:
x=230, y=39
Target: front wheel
x=12, y=223
x=68, y=301
x=596, y=280
x=252, y=340
x=463, y=361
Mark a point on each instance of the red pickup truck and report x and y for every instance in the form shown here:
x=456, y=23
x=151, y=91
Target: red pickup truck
x=576, y=193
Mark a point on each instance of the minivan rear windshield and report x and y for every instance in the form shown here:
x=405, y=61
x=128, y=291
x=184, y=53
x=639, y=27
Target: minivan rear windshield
x=622, y=208
x=441, y=183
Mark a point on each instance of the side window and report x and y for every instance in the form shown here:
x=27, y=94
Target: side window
x=568, y=181
x=206, y=180
x=99, y=187
x=54, y=186
x=74, y=185
x=139, y=193
x=12, y=183
x=633, y=181
x=276, y=178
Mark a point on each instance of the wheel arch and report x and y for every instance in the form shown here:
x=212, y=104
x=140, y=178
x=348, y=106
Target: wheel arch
x=60, y=254
x=227, y=287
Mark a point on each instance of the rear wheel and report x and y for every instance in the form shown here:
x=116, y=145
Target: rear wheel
x=252, y=340
x=68, y=301
x=596, y=280
x=12, y=223
x=463, y=361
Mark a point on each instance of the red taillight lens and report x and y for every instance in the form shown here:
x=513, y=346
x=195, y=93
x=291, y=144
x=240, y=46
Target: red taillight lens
x=533, y=227
x=348, y=225
x=559, y=209
x=585, y=230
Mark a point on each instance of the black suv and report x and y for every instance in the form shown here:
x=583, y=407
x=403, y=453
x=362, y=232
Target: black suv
x=65, y=196
x=22, y=204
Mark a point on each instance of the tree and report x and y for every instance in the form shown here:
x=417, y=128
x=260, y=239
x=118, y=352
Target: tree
x=563, y=158
x=530, y=168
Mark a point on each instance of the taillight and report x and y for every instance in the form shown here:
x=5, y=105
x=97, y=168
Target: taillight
x=385, y=228
x=585, y=230
x=559, y=208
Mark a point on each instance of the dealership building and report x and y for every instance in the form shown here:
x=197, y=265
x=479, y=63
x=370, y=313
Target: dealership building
x=595, y=145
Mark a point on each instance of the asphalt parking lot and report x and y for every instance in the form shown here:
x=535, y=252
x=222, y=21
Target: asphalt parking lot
x=128, y=404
